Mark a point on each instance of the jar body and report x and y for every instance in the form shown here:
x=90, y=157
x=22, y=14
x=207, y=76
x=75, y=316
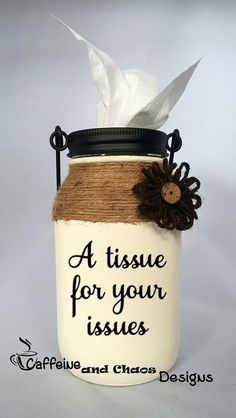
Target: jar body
x=117, y=311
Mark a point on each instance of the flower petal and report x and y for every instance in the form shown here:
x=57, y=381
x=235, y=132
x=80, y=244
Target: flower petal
x=196, y=201
x=181, y=172
x=191, y=183
x=187, y=207
x=154, y=173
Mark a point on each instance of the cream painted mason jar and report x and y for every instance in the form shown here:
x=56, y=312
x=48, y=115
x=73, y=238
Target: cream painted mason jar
x=117, y=272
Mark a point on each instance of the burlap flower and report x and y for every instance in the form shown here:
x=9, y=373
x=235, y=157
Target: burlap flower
x=168, y=196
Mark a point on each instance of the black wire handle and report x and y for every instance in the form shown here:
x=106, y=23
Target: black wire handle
x=176, y=144
x=58, y=145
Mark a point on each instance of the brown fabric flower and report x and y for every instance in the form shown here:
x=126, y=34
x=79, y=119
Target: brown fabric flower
x=168, y=196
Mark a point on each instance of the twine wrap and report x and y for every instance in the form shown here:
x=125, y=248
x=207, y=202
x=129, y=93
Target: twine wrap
x=100, y=192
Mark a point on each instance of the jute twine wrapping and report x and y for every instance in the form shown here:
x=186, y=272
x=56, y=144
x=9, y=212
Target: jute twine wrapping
x=100, y=192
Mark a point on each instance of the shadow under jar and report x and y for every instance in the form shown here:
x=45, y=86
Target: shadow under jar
x=117, y=273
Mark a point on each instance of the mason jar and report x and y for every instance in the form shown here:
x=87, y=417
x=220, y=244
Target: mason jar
x=117, y=273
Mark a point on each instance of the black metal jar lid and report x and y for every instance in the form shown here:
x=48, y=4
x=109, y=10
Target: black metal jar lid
x=118, y=141
x=113, y=141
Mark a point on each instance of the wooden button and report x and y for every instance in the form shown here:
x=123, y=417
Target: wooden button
x=171, y=193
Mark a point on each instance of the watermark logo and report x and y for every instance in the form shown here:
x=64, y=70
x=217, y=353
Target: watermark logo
x=27, y=358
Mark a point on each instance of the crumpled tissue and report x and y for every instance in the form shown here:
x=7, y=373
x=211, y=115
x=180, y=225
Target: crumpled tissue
x=130, y=98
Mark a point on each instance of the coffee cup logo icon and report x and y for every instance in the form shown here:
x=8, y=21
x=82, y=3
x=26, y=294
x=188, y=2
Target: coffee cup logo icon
x=26, y=359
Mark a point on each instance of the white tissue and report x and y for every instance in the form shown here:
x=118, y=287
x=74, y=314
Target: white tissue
x=130, y=98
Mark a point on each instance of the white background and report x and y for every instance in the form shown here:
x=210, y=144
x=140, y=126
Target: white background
x=46, y=80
